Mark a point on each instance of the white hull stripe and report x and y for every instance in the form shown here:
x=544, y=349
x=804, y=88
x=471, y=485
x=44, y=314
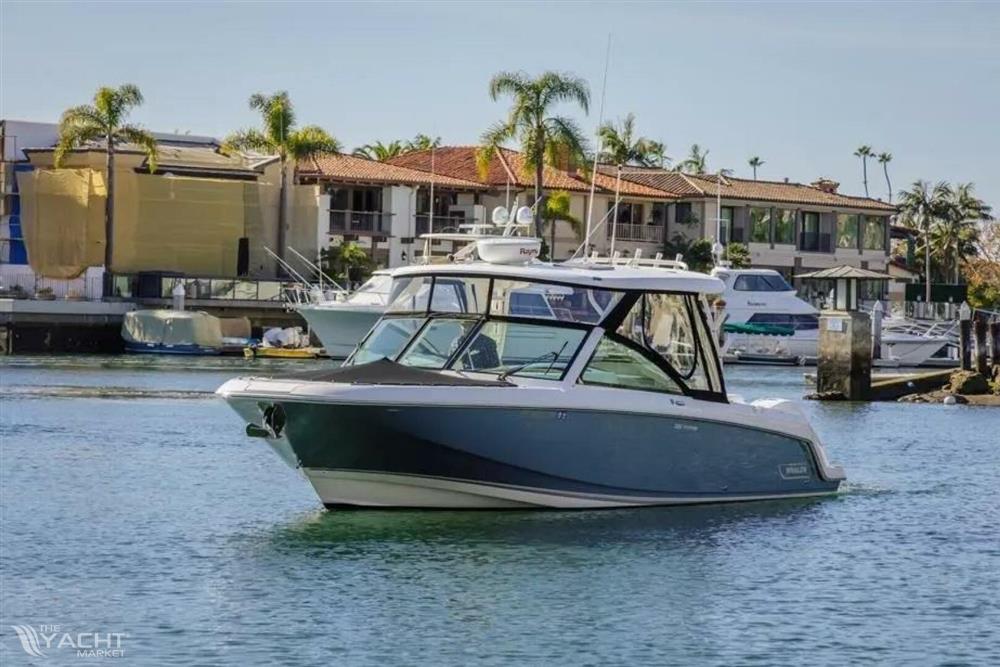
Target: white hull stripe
x=378, y=489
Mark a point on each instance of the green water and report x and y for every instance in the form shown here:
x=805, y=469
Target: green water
x=131, y=502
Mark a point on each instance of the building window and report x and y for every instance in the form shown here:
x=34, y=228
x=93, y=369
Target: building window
x=847, y=230
x=628, y=213
x=659, y=214
x=809, y=239
x=760, y=225
x=726, y=215
x=685, y=215
x=784, y=226
x=874, y=232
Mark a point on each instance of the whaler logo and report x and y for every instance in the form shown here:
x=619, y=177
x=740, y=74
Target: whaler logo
x=38, y=642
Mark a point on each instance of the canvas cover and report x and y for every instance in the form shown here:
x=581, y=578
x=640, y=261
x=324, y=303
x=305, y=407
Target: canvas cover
x=172, y=327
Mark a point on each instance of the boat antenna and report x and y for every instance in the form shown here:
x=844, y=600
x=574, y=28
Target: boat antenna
x=430, y=217
x=600, y=144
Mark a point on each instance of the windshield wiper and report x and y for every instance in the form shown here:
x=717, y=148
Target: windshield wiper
x=542, y=357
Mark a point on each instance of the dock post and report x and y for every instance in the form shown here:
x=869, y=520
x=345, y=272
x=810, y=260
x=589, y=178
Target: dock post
x=979, y=333
x=877, y=330
x=965, y=337
x=844, y=365
x=995, y=342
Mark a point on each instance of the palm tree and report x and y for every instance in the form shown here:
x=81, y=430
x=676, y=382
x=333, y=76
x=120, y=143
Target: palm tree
x=954, y=237
x=557, y=207
x=864, y=152
x=921, y=207
x=380, y=151
x=545, y=138
x=104, y=121
x=755, y=162
x=422, y=142
x=695, y=162
x=884, y=159
x=280, y=137
x=621, y=147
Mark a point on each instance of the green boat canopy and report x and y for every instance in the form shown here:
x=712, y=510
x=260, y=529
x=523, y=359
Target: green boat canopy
x=759, y=329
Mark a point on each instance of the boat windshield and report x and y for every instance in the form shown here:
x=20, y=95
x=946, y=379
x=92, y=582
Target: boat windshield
x=484, y=324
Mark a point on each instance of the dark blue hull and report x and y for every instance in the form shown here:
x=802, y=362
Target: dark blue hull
x=600, y=458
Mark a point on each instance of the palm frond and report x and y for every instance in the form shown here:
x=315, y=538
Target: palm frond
x=141, y=138
x=248, y=140
x=508, y=83
x=73, y=135
x=492, y=139
x=563, y=87
x=310, y=140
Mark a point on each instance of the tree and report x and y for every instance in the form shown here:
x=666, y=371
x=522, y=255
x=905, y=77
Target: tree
x=755, y=162
x=557, y=207
x=422, y=142
x=864, y=152
x=280, y=137
x=380, y=151
x=105, y=121
x=696, y=161
x=920, y=208
x=621, y=147
x=696, y=253
x=983, y=270
x=347, y=262
x=955, y=236
x=884, y=159
x=738, y=255
x=544, y=138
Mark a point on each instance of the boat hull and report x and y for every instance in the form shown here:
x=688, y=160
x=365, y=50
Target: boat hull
x=340, y=329
x=474, y=457
x=180, y=349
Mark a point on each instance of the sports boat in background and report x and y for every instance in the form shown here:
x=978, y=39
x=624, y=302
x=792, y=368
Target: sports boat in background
x=610, y=395
x=766, y=322
x=341, y=323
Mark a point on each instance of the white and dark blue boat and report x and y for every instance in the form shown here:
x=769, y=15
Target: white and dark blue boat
x=608, y=394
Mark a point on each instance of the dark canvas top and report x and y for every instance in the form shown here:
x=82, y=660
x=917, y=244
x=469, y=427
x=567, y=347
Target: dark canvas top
x=389, y=372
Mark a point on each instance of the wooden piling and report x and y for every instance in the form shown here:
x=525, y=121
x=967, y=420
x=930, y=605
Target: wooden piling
x=965, y=345
x=979, y=333
x=995, y=342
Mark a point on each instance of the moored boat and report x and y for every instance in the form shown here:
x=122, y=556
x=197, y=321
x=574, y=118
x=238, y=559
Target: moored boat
x=613, y=396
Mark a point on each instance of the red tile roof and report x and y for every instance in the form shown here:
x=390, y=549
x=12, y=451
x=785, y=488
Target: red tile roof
x=509, y=166
x=705, y=185
x=341, y=167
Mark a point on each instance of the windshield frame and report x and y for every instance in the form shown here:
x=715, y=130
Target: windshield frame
x=609, y=323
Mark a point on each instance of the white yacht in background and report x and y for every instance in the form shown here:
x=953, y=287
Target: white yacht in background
x=341, y=323
x=766, y=322
x=610, y=394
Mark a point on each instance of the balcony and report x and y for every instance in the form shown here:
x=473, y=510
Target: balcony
x=815, y=242
x=374, y=223
x=641, y=233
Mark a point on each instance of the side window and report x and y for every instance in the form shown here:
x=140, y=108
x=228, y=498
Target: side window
x=615, y=365
x=410, y=294
x=668, y=331
x=529, y=304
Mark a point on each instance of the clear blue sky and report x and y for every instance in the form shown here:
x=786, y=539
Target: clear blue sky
x=801, y=85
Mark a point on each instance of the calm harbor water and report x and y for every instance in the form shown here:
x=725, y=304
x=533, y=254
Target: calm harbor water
x=131, y=502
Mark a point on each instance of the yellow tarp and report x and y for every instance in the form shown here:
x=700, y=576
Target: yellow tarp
x=70, y=202
x=168, y=223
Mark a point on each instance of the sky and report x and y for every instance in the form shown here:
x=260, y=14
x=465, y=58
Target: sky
x=801, y=85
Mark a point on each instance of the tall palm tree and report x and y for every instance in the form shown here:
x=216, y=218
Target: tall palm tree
x=921, y=207
x=884, y=159
x=280, y=137
x=545, y=138
x=621, y=146
x=381, y=151
x=864, y=152
x=696, y=162
x=755, y=162
x=422, y=142
x=105, y=121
